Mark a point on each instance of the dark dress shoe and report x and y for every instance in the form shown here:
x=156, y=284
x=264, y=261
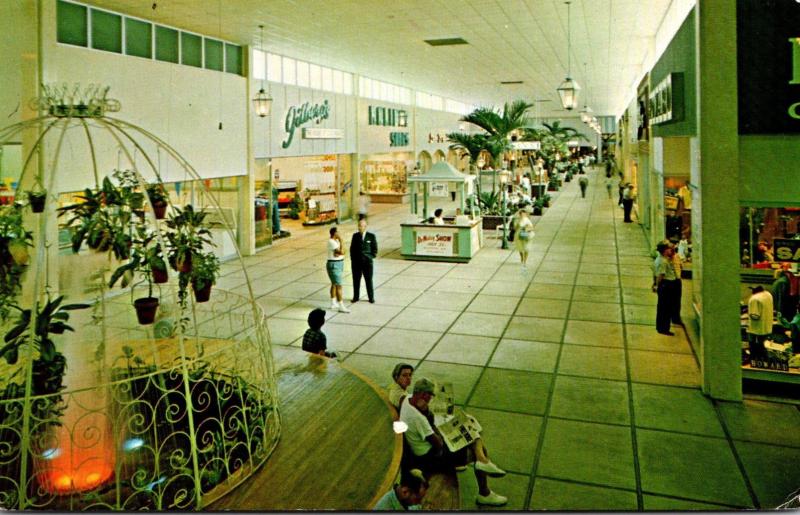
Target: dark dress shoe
x=372, y=301
x=668, y=333
x=353, y=301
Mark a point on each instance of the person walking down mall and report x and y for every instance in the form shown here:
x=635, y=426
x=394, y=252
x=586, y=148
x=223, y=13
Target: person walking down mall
x=666, y=286
x=523, y=235
x=363, y=250
x=609, y=185
x=583, y=182
x=627, y=202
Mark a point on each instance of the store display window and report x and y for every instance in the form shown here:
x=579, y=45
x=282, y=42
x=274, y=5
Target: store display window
x=678, y=216
x=384, y=177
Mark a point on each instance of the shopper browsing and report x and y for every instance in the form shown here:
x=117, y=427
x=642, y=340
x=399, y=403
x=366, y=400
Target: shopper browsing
x=523, y=235
x=363, y=250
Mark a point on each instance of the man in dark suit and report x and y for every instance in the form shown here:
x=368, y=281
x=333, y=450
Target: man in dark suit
x=363, y=249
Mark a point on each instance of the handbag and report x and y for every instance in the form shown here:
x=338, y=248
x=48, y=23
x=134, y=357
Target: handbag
x=524, y=235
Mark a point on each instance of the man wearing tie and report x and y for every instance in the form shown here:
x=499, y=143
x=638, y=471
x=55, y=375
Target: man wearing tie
x=363, y=249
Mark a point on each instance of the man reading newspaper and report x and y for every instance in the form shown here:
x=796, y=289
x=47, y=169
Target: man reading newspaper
x=430, y=450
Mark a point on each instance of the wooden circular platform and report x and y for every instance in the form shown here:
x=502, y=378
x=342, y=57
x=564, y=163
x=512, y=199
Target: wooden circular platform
x=337, y=450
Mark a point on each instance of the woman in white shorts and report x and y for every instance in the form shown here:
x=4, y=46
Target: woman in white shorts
x=335, y=268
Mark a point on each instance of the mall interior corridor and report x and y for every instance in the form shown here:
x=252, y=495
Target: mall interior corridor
x=581, y=401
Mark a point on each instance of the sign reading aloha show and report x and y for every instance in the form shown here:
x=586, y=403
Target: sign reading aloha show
x=297, y=116
x=435, y=243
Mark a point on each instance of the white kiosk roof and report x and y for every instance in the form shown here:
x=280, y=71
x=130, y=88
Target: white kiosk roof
x=442, y=172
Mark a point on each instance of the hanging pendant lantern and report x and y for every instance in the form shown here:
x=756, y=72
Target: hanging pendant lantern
x=568, y=90
x=262, y=102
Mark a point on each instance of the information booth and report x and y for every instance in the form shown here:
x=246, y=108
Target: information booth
x=452, y=242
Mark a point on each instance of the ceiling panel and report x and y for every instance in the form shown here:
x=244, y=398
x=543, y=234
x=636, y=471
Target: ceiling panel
x=383, y=39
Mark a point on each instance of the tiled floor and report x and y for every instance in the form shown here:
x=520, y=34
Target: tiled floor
x=585, y=405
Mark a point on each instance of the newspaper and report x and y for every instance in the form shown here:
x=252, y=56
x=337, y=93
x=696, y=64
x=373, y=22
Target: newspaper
x=458, y=429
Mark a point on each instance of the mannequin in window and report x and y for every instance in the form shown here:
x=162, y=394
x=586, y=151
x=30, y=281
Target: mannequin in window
x=759, y=326
x=685, y=195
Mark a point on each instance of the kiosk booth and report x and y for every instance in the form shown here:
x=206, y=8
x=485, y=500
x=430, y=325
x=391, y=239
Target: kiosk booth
x=450, y=242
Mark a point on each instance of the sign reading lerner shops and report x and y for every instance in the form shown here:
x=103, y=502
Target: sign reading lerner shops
x=768, y=58
x=297, y=116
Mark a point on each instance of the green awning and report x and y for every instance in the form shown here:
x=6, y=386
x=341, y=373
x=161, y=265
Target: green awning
x=442, y=172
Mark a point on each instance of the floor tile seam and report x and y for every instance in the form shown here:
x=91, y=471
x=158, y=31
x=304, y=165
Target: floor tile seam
x=737, y=458
x=628, y=372
x=770, y=444
x=646, y=492
x=537, y=455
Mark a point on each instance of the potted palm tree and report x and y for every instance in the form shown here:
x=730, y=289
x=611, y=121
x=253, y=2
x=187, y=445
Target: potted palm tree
x=205, y=270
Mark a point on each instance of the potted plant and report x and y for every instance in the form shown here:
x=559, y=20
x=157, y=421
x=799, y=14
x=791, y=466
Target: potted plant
x=205, y=270
x=14, y=256
x=491, y=209
x=296, y=206
x=36, y=199
x=538, y=207
x=159, y=199
x=545, y=200
x=49, y=366
x=104, y=217
x=145, y=259
x=187, y=235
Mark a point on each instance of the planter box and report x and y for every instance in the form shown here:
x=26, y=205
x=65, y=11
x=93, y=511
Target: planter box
x=491, y=222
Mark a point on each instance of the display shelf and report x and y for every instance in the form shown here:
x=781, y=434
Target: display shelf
x=766, y=374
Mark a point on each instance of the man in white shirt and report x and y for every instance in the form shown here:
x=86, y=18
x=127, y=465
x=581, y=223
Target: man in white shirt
x=427, y=448
x=760, y=317
x=437, y=217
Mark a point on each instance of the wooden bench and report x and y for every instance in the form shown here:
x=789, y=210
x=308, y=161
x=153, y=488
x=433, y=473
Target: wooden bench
x=337, y=450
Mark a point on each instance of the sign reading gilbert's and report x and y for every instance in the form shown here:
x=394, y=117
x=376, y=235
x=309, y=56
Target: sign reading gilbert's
x=768, y=58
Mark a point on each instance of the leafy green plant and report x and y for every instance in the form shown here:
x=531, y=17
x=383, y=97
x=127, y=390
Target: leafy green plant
x=157, y=193
x=205, y=270
x=14, y=256
x=187, y=234
x=49, y=365
x=296, y=206
x=489, y=202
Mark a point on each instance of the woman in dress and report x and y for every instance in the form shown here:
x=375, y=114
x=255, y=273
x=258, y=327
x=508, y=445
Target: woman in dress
x=335, y=267
x=523, y=235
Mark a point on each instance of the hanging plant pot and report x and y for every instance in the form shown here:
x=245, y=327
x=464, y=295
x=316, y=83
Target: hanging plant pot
x=184, y=265
x=160, y=210
x=37, y=199
x=202, y=294
x=537, y=211
x=146, y=309
x=160, y=275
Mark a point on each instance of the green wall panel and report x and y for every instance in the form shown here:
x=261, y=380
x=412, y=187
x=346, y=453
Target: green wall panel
x=214, y=51
x=138, y=38
x=72, y=25
x=233, y=59
x=191, y=50
x=679, y=57
x=106, y=31
x=166, y=44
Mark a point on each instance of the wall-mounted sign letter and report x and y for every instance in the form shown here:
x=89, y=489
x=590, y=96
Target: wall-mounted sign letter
x=794, y=111
x=795, y=42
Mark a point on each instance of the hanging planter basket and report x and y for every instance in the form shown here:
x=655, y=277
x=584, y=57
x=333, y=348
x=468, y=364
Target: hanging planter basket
x=160, y=275
x=37, y=200
x=202, y=294
x=160, y=210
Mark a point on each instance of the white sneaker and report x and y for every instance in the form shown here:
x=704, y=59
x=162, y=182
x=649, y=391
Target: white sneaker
x=343, y=309
x=492, y=499
x=490, y=469
x=334, y=304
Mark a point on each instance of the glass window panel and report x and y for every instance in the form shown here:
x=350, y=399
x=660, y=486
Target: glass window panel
x=166, y=44
x=191, y=49
x=72, y=27
x=315, y=76
x=259, y=65
x=337, y=81
x=288, y=70
x=348, y=83
x=106, y=31
x=302, y=74
x=327, y=79
x=138, y=38
x=274, y=68
x=213, y=55
x=233, y=59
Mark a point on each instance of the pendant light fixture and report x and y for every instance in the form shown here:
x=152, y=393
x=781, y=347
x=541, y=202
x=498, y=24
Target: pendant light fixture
x=586, y=113
x=568, y=90
x=262, y=102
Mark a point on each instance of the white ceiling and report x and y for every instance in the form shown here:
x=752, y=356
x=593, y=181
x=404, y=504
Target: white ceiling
x=508, y=40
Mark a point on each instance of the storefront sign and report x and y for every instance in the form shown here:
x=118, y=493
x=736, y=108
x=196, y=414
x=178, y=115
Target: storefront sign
x=665, y=103
x=768, y=65
x=438, y=189
x=320, y=133
x=297, y=116
x=387, y=116
x=786, y=250
x=398, y=139
x=526, y=145
x=438, y=137
x=435, y=243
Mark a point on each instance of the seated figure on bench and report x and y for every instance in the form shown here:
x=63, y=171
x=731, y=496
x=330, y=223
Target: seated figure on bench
x=401, y=380
x=429, y=452
x=405, y=495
